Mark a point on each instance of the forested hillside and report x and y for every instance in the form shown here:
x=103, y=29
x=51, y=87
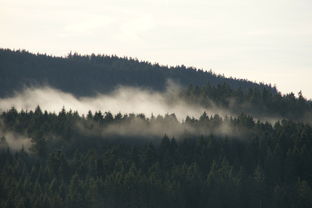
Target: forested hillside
x=86, y=75
x=225, y=162
x=259, y=102
x=205, y=141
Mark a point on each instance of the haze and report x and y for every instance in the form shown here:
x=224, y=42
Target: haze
x=269, y=41
x=125, y=100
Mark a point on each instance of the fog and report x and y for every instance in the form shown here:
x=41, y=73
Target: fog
x=157, y=127
x=13, y=140
x=123, y=100
x=166, y=113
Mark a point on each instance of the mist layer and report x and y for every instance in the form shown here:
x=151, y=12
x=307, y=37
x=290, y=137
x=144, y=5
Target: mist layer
x=122, y=100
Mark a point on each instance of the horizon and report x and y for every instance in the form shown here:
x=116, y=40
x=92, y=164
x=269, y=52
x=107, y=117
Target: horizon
x=267, y=41
x=164, y=65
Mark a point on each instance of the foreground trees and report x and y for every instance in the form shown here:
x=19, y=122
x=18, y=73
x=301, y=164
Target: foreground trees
x=264, y=166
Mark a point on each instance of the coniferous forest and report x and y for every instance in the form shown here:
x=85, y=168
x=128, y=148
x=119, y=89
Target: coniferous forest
x=98, y=73
x=101, y=159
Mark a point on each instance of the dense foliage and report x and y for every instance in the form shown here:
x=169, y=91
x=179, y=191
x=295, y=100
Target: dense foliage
x=84, y=75
x=259, y=102
x=255, y=164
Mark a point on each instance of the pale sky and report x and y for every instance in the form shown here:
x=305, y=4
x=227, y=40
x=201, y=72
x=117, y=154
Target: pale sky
x=260, y=40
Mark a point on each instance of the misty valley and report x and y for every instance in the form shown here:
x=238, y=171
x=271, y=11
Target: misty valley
x=104, y=131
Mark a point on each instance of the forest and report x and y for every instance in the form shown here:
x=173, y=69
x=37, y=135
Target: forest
x=250, y=146
x=69, y=161
x=259, y=102
x=99, y=73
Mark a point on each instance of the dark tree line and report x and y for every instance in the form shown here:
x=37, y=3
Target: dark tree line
x=98, y=73
x=268, y=165
x=260, y=101
x=85, y=75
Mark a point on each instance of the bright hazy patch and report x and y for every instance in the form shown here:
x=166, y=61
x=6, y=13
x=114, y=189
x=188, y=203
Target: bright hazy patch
x=124, y=100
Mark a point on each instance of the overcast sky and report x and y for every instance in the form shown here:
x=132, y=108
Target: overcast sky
x=260, y=40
